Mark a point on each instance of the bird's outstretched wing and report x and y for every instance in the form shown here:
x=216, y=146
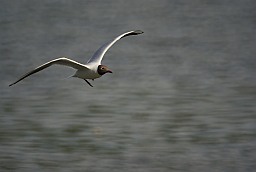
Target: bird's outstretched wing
x=98, y=55
x=60, y=61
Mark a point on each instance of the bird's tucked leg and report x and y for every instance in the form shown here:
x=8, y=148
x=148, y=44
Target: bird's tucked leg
x=88, y=82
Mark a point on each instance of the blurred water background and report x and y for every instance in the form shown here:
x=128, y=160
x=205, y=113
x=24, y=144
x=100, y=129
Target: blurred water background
x=182, y=96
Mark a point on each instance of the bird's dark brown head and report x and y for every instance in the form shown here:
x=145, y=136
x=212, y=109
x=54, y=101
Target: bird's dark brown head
x=102, y=69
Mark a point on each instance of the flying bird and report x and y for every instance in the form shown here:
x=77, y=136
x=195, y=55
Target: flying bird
x=91, y=70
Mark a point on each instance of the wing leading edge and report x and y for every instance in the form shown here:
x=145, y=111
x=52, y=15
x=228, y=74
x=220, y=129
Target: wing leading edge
x=99, y=54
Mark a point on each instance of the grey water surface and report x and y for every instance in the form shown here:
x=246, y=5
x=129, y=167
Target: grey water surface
x=182, y=96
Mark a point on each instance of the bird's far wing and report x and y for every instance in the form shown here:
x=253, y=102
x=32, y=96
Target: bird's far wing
x=98, y=55
x=60, y=61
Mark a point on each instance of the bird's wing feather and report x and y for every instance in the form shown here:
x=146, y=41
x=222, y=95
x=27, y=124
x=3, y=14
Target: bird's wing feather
x=98, y=55
x=60, y=61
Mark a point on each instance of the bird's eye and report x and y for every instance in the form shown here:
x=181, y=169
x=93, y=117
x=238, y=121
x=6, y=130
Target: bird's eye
x=102, y=68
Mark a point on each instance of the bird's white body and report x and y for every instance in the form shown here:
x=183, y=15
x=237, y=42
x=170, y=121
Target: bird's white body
x=88, y=74
x=92, y=69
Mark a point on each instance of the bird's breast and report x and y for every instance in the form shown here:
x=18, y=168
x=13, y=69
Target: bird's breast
x=86, y=74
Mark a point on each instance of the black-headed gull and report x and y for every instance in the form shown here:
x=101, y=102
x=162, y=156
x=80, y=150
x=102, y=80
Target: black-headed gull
x=92, y=69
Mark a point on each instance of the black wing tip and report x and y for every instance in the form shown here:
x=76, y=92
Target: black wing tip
x=138, y=32
x=12, y=84
x=135, y=32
